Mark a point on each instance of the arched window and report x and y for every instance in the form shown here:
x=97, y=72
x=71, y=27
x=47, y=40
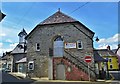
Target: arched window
x=58, y=47
x=59, y=38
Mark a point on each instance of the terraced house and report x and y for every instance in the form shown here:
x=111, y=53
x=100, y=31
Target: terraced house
x=56, y=49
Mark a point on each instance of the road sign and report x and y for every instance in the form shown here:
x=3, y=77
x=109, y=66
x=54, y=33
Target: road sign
x=88, y=59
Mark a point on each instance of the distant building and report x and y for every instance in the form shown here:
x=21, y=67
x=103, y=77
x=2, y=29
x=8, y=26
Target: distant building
x=56, y=48
x=7, y=61
x=99, y=61
x=19, y=54
x=15, y=60
x=110, y=57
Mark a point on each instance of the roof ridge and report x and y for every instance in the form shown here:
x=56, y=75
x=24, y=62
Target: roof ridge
x=58, y=17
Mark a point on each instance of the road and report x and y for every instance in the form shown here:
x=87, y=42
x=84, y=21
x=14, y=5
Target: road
x=9, y=79
x=77, y=83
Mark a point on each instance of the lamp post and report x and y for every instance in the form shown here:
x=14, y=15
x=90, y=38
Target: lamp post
x=107, y=75
x=97, y=39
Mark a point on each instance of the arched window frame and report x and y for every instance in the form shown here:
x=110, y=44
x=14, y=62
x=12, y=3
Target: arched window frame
x=58, y=38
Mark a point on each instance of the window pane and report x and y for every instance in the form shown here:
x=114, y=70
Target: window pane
x=110, y=60
x=37, y=46
x=30, y=66
x=58, y=47
x=79, y=44
x=111, y=66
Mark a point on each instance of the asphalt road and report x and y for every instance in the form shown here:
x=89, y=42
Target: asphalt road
x=9, y=79
x=76, y=83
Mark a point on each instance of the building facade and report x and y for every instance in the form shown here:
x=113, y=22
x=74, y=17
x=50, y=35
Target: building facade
x=112, y=60
x=19, y=54
x=7, y=62
x=56, y=49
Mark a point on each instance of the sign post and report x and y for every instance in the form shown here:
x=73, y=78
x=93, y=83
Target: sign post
x=88, y=59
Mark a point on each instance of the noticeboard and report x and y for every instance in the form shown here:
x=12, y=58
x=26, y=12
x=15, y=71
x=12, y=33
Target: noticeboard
x=70, y=45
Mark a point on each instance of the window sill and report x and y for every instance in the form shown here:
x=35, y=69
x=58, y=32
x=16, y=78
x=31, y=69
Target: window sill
x=37, y=50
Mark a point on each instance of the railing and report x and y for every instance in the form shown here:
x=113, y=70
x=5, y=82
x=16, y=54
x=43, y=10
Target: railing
x=80, y=63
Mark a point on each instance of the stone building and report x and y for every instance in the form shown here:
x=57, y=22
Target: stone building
x=19, y=54
x=15, y=60
x=7, y=62
x=56, y=49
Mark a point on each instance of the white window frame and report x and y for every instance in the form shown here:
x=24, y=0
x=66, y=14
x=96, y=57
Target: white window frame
x=29, y=65
x=79, y=41
x=37, y=47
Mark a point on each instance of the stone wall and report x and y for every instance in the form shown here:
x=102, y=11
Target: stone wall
x=45, y=34
x=72, y=72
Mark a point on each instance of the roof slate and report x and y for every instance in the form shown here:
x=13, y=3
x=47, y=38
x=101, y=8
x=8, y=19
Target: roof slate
x=22, y=60
x=18, y=49
x=99, y=53
x=98, y=58
x=58, y=17
x=105, y=52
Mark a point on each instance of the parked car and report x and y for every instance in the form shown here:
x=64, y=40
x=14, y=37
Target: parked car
x=6, y=70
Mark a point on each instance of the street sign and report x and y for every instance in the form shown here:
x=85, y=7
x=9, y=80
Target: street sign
x=88, y=59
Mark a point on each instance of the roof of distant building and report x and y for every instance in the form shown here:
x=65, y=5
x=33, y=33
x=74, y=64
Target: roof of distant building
x=105, y=52
x=22, y=60
x=98, y=58
x=18, y=49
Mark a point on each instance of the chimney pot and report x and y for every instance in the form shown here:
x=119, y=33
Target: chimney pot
x=108, y=47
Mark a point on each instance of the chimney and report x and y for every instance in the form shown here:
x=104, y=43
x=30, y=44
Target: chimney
x=108, y=47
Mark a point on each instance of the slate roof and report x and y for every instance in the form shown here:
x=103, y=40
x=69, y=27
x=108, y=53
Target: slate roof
x=114, y=50
x=22, y=60
x=98, y=58
x=105, y=52
x=99, y=53
x=18, y=49
x=4, y=57
x=58, y=17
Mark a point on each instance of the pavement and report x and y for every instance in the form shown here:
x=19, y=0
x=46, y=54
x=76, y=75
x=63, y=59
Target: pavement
x=45, y=80
x=11, y=79
x=18, y=75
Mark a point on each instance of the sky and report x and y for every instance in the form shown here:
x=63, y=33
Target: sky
x=100, y=17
